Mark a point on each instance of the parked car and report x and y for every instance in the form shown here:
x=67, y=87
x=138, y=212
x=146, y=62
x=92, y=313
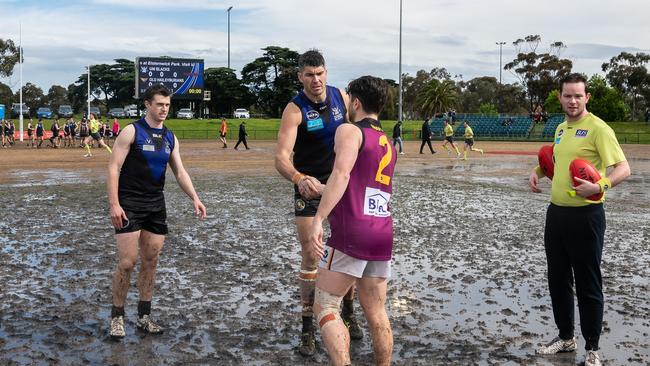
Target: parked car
x=241, y=113
x=116, y=113
x=95, y=111
x=65, y=111
x=44, y=112
x=15, y=110
x=131, y=110
x=185, y=113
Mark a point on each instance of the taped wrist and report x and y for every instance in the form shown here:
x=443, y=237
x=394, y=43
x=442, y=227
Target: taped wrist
x=297, y=177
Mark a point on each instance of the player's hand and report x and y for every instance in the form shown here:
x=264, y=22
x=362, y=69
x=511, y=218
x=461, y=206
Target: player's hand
x=118, y=217
x=308, y=187
x=316, y=239
x=585, y=188
x=199, y=209
x=533, y=182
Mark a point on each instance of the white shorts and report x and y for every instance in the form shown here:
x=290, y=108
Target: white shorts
x=337, y=261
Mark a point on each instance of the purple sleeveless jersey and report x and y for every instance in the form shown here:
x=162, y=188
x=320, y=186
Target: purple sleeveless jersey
x=361, y=223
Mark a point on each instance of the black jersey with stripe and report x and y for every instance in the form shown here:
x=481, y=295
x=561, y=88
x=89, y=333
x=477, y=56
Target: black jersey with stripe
x=142, y=178
x=313, y=152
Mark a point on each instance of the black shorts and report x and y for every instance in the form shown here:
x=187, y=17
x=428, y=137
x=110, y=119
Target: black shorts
x=29, y=133
x=469, y=142
x=222, y=135
x=302, y=206
x=39, y=134
x=449, y=138
x=152, y=221
x=96, y=136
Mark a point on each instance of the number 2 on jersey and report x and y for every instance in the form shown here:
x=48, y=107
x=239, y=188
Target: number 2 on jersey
x=385, y=160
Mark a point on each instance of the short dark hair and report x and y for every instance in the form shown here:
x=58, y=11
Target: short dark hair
x=157, y=89
x=311, y=58
x=574, y=78
x=371, y=92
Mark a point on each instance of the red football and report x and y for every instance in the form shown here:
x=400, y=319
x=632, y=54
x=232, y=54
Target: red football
x=583, y=169
x=545, y=158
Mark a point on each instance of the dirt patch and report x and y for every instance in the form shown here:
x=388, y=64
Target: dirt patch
x=469, y=283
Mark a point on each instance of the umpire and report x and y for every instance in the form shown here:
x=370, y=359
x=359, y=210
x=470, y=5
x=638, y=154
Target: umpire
x=575, y=226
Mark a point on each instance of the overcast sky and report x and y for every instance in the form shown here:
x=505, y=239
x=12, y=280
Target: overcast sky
x=356, y=37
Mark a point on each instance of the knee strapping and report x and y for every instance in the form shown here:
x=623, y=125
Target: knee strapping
x=329, y=307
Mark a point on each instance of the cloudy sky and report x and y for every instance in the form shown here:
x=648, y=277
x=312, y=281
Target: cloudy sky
x=357, y=37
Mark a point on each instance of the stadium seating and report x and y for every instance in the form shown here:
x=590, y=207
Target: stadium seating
x=487, y=126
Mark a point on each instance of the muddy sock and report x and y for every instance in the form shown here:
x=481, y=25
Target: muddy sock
x=144, y=308
x=307, y=324
x=117, y=311
x=348, y=307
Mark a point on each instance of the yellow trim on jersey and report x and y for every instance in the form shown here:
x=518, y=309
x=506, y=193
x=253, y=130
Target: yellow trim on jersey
x=469, y=134
x=588, y=138
x=449, y=131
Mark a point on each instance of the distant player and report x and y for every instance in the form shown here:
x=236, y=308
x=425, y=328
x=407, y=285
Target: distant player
x=574, y=232
x=94, y=127
x=40, y=131
x=359, y=250
x=30, y=134
x=469, y=141
x=84, y=131
x=136, y=179
x=449, y=138
x=223, y=131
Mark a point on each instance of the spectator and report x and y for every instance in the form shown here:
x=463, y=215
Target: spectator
x=242, y=136
x=397, y=136
x=426, y=136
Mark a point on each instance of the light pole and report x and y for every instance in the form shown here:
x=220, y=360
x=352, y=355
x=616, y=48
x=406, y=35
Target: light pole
x=500, y=44
x=399, y=109
x=20, y=60
x=228, y=11
x=88, y=110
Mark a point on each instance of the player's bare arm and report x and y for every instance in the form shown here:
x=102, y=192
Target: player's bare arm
x=184, y=180
x=346, y=146
x=309, y=187
x=120, y=151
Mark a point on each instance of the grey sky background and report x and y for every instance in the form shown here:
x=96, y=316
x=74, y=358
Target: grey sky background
x=356, y=37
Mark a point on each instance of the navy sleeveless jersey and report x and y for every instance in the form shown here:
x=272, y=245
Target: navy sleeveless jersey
x=313, y=153
x=142, y=178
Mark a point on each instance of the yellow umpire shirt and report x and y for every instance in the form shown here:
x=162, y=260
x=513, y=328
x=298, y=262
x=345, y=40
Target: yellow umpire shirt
x=469, y=134
x=449, y=131
x=589, y=138
x=94, y=126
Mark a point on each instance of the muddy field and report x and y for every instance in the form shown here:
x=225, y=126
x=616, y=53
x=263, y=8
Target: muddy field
x=469, y=271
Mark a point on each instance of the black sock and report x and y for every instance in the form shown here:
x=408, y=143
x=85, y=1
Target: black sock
x=144, y=308
x=117, y=311
x=307, y=324
x=348, y=308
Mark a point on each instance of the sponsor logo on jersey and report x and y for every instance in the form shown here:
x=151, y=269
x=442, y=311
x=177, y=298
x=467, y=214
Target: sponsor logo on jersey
x=146, y=147
x=337, y=113
x=157, y=136
x=312, y=115
x=376, y=203
x=581, y=133
x=559, y=136
x=167, y=149
x=316, y=124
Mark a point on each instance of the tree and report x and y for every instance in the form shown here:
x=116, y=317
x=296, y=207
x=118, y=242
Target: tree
x=628, y=73
x=32, y=95
x=437, y=97
x=606, y=102
x=538, y=73
x=6, y=96
x=390, y=109
x=488, y=109
x=552, y=103
x=477, y=92
x=9, y=55
x=413, y=86
x=273, y=78
x=114, y=83
x=228, y=92
x=78, y=96
x=56, y=96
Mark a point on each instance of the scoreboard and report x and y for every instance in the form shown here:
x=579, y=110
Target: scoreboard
x=182, y=76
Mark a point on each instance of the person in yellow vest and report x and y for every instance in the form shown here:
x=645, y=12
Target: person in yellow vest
x=449, y=139
x=575, y=226
x=94, y=126
x=469, y=141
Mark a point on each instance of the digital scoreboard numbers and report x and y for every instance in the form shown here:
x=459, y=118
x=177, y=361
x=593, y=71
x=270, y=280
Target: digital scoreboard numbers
x=183, y=77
